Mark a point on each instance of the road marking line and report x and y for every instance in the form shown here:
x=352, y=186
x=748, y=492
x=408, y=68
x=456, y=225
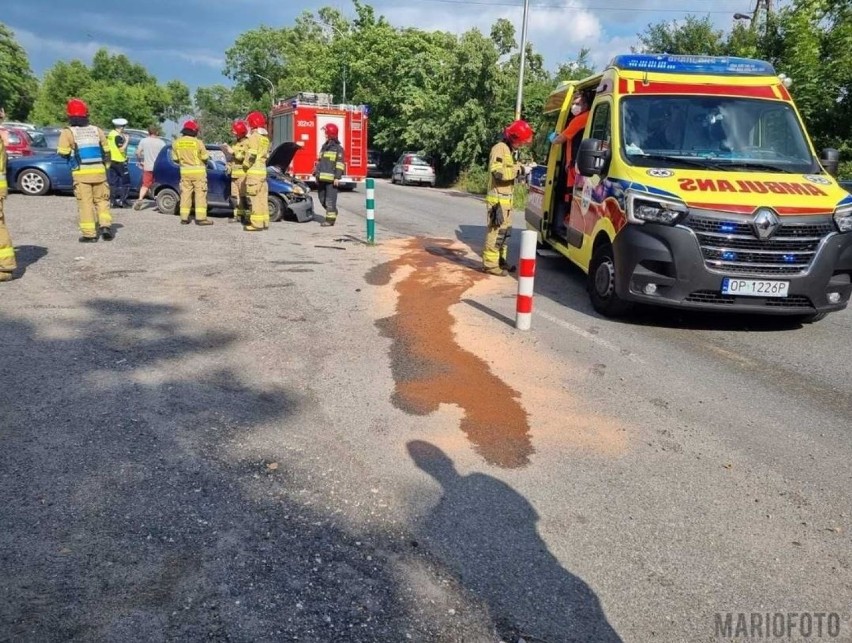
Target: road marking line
x=590, y=336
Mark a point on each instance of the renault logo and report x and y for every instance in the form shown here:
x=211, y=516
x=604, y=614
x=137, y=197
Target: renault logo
x=766, y=222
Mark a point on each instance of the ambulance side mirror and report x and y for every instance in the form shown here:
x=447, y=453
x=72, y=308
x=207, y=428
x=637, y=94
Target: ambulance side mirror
x=593, y=157
x=831, y=160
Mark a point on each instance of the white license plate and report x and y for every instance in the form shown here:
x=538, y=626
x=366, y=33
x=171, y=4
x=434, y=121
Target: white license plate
x=755, y=287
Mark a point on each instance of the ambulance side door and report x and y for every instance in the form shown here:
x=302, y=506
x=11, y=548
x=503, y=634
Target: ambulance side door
x=586, y=204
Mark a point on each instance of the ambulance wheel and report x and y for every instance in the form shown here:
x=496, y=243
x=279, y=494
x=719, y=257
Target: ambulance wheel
x=602, y=275
x=167, y=201
x=276, y=208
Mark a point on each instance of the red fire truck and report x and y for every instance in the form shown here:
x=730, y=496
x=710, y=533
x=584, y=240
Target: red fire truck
x=300, y=119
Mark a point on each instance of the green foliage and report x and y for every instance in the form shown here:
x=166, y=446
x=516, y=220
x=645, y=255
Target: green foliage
x=692, y=36
x=112, y=86
x=217, y=107
x=18, y=85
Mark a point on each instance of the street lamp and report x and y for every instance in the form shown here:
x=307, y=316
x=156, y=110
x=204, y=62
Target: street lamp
x=520, y=100
x=271, y=87
x=742, y=16
x=345, y=53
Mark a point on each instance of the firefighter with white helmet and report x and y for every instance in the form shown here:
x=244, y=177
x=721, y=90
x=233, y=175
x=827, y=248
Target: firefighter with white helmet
x=503, y=170
x=257, y=190
x=190, y=153
x=86, y=148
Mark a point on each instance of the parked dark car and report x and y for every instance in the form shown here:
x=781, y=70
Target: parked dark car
x=41, y=173
x=286, y=195
x=846, y=185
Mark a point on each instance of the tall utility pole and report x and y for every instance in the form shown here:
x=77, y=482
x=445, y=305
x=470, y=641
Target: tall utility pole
x=520, y=100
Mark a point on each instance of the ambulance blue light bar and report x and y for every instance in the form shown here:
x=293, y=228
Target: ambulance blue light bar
x=707, y=65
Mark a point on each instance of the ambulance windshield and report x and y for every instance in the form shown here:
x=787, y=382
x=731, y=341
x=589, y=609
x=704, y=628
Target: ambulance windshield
x=723, y=133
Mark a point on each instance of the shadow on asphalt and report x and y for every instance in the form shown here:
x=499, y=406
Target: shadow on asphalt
x=486, y=532
x=565, y=284
x=26, y=256
x=131, y=512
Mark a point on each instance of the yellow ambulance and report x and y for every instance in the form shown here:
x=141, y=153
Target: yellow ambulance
x=695, y=186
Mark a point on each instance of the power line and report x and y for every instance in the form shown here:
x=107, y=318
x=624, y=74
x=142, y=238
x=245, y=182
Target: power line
x=587, y=8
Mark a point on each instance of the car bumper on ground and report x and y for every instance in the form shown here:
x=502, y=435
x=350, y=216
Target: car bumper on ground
x=666, y=266
x=303, y=210
x=419, y=179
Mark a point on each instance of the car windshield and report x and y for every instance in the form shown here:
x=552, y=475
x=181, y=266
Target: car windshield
x=37, y=140
x=718, y=132
x=415, y=160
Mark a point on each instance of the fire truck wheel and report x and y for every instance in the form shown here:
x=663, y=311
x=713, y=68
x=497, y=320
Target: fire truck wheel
x=167, y=201
x=276, y=208
x=602, y=284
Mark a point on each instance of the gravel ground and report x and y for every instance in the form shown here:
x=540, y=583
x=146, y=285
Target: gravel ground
x=167, y=469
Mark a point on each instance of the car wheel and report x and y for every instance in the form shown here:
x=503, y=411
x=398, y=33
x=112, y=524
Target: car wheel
x=602, y=275
x=393, y=179
x=33, y=182
x=167, y=201
x=276, y=207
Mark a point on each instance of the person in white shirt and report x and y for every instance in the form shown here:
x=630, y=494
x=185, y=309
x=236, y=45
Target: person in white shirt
x=147, y=151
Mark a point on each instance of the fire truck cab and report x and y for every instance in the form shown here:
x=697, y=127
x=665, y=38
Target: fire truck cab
x=300, y=119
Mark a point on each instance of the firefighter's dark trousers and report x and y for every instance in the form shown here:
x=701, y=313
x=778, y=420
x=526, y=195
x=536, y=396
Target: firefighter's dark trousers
x=328, y=198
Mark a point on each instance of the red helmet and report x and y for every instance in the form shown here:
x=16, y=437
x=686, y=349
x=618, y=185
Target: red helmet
x=519, y=133
x=331, y=130
x=256, y=119
x=239, y=128
x=191, y=125
x=76, y=107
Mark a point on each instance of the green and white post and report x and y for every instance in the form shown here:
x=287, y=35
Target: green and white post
x=371, y=211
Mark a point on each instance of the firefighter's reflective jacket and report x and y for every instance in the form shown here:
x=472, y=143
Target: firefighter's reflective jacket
x=502, y=172
x=330, y=165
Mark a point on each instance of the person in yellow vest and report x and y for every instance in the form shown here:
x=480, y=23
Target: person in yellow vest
x=7, y=250
x=189, y=152
x=503, y=169
x=257, y=151
x=236, y=156
x=119, y=173
x=86, y=149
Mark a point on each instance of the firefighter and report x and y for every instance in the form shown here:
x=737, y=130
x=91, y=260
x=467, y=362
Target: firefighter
x=118, y=172
x=257, y=190
x=7, y=251
x=189, y=152
x=503, y=169
x=329, y=169
x=87, y=149
x=236, y=157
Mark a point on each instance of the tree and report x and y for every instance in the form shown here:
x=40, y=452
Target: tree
x=18, y=85
x=693, y=35
x=218, y=106
x=113, y=86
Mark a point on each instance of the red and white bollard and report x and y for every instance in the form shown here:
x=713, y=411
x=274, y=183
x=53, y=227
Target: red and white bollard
x=526, y=276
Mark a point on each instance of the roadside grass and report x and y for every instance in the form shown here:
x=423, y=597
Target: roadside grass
x=475, y=181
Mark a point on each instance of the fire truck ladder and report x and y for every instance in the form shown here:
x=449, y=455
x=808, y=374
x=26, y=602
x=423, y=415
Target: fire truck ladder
x=356, y=139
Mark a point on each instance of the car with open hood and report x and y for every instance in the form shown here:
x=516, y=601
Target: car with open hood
x=287, y=196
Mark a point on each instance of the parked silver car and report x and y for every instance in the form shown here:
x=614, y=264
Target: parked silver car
x=413, y=168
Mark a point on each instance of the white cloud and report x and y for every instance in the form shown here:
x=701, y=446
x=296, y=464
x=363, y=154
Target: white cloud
x=65, y=49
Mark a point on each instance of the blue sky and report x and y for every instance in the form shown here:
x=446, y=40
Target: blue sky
x=186, y=39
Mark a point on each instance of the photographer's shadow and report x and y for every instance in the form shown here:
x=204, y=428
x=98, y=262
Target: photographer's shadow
x=486, y=532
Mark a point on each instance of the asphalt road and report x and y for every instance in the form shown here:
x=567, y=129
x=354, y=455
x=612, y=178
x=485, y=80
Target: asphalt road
x=292, y=435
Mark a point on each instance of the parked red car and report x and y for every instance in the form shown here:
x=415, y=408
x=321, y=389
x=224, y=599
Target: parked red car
x=24, y=143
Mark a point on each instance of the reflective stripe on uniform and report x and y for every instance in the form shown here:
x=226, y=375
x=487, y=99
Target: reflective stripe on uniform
x=494, y=199
x=325, y=176
x=89, y=170
x=3, y=184
x=7, y=253
x=192, y=170
x=87, y=226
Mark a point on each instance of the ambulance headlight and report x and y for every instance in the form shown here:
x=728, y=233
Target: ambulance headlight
x=843, y=218
x=645, y=208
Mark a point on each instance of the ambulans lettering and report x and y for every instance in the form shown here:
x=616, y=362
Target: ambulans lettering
x=749, y=187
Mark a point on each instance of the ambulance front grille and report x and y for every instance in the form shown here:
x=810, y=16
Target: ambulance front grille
x=731, y=246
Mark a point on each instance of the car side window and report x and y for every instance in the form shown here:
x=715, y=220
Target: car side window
x=602, y=123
